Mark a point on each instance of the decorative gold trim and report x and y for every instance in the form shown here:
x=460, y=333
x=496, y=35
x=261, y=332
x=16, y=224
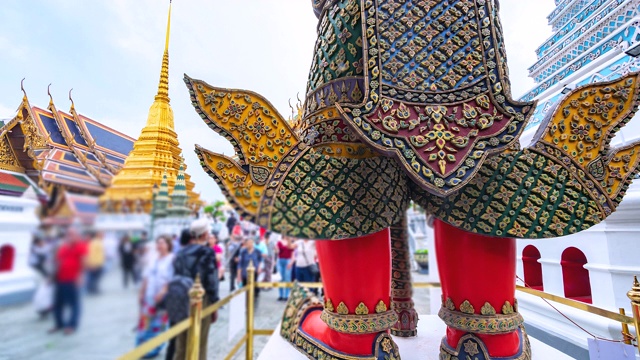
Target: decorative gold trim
x=381, y=307
x=449, y=304
x=360, y=324
x=487, y=309
x=8, y=158
x=466, y=307
x=33, y=138
x=473, y=346
x=328, y=305
x=399, y=305
x=384, y=347
x=507, y=308
x=481, y=324
x=362, y=309
x=342, y=309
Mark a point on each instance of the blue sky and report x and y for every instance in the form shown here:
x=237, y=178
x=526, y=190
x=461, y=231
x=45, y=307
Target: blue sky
x=109, y=52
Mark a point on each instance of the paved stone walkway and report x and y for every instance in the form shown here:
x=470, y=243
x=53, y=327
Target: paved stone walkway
x=107, y=326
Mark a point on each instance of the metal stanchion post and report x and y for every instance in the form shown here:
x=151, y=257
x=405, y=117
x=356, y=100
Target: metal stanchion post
x=634, y=296
x=193, y=339
x=251, y=270
x=626, y=335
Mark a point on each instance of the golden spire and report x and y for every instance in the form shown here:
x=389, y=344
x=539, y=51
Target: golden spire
x=155, y=155
x=163, y=86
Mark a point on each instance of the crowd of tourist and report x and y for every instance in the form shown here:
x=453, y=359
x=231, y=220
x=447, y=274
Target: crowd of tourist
x=72, y=263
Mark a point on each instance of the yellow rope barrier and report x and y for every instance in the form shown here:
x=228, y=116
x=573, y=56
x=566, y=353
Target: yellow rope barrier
x=236, y=347
x=153, y=343
x=222, y=302
x=578, y=305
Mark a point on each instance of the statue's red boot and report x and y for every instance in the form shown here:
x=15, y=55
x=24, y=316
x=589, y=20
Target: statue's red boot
x=356, y=317
x=478, y=296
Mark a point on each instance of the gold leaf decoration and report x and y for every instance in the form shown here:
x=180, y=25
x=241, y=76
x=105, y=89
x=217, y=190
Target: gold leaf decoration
x=487, y=309
x=466, y=307
x=449, y=304
x=329, y=305
x=342, y=309
x=362, y=309
x=507, y=308
x=381, y=307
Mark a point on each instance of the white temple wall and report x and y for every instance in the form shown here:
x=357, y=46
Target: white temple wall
x=18, y=221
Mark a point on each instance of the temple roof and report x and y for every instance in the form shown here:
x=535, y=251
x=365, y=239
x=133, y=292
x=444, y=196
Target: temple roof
x=73, y=208
x=16, y=184
x=54, y=147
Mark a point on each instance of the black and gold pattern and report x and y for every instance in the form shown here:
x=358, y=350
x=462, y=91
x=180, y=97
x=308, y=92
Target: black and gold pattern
x=300, y=300
x=361, y=323
x=481, y=324
x=472, y=347
x=319, y=194
x=384, y=349
x=400, y=261
x=401, y=289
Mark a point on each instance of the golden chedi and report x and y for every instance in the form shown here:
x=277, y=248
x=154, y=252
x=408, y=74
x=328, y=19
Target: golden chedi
x=157, y=150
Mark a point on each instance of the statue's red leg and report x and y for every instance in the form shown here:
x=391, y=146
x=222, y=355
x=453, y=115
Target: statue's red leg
x=401, y=289
x=355, y=321
x=478, y=293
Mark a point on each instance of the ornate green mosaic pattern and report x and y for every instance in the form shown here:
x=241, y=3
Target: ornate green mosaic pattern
x=338, y=50
x=527, y=194
x=322, y=195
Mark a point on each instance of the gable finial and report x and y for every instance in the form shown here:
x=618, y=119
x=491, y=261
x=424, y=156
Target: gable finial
x=292, y=112
x=22, y=88
x=49, y=93
x=73, y=107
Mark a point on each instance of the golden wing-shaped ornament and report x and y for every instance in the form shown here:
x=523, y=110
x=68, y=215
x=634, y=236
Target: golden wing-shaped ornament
x=260, y=136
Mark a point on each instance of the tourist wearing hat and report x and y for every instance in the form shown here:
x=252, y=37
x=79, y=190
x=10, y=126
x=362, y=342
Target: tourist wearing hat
x=197, y=257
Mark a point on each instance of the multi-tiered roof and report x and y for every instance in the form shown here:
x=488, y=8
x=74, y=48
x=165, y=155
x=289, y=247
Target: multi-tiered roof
x=61, y=149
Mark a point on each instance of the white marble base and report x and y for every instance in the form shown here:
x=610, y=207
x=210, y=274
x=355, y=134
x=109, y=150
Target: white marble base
x=426, y=346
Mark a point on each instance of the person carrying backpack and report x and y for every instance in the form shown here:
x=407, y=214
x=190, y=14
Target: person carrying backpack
x=195, y=258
